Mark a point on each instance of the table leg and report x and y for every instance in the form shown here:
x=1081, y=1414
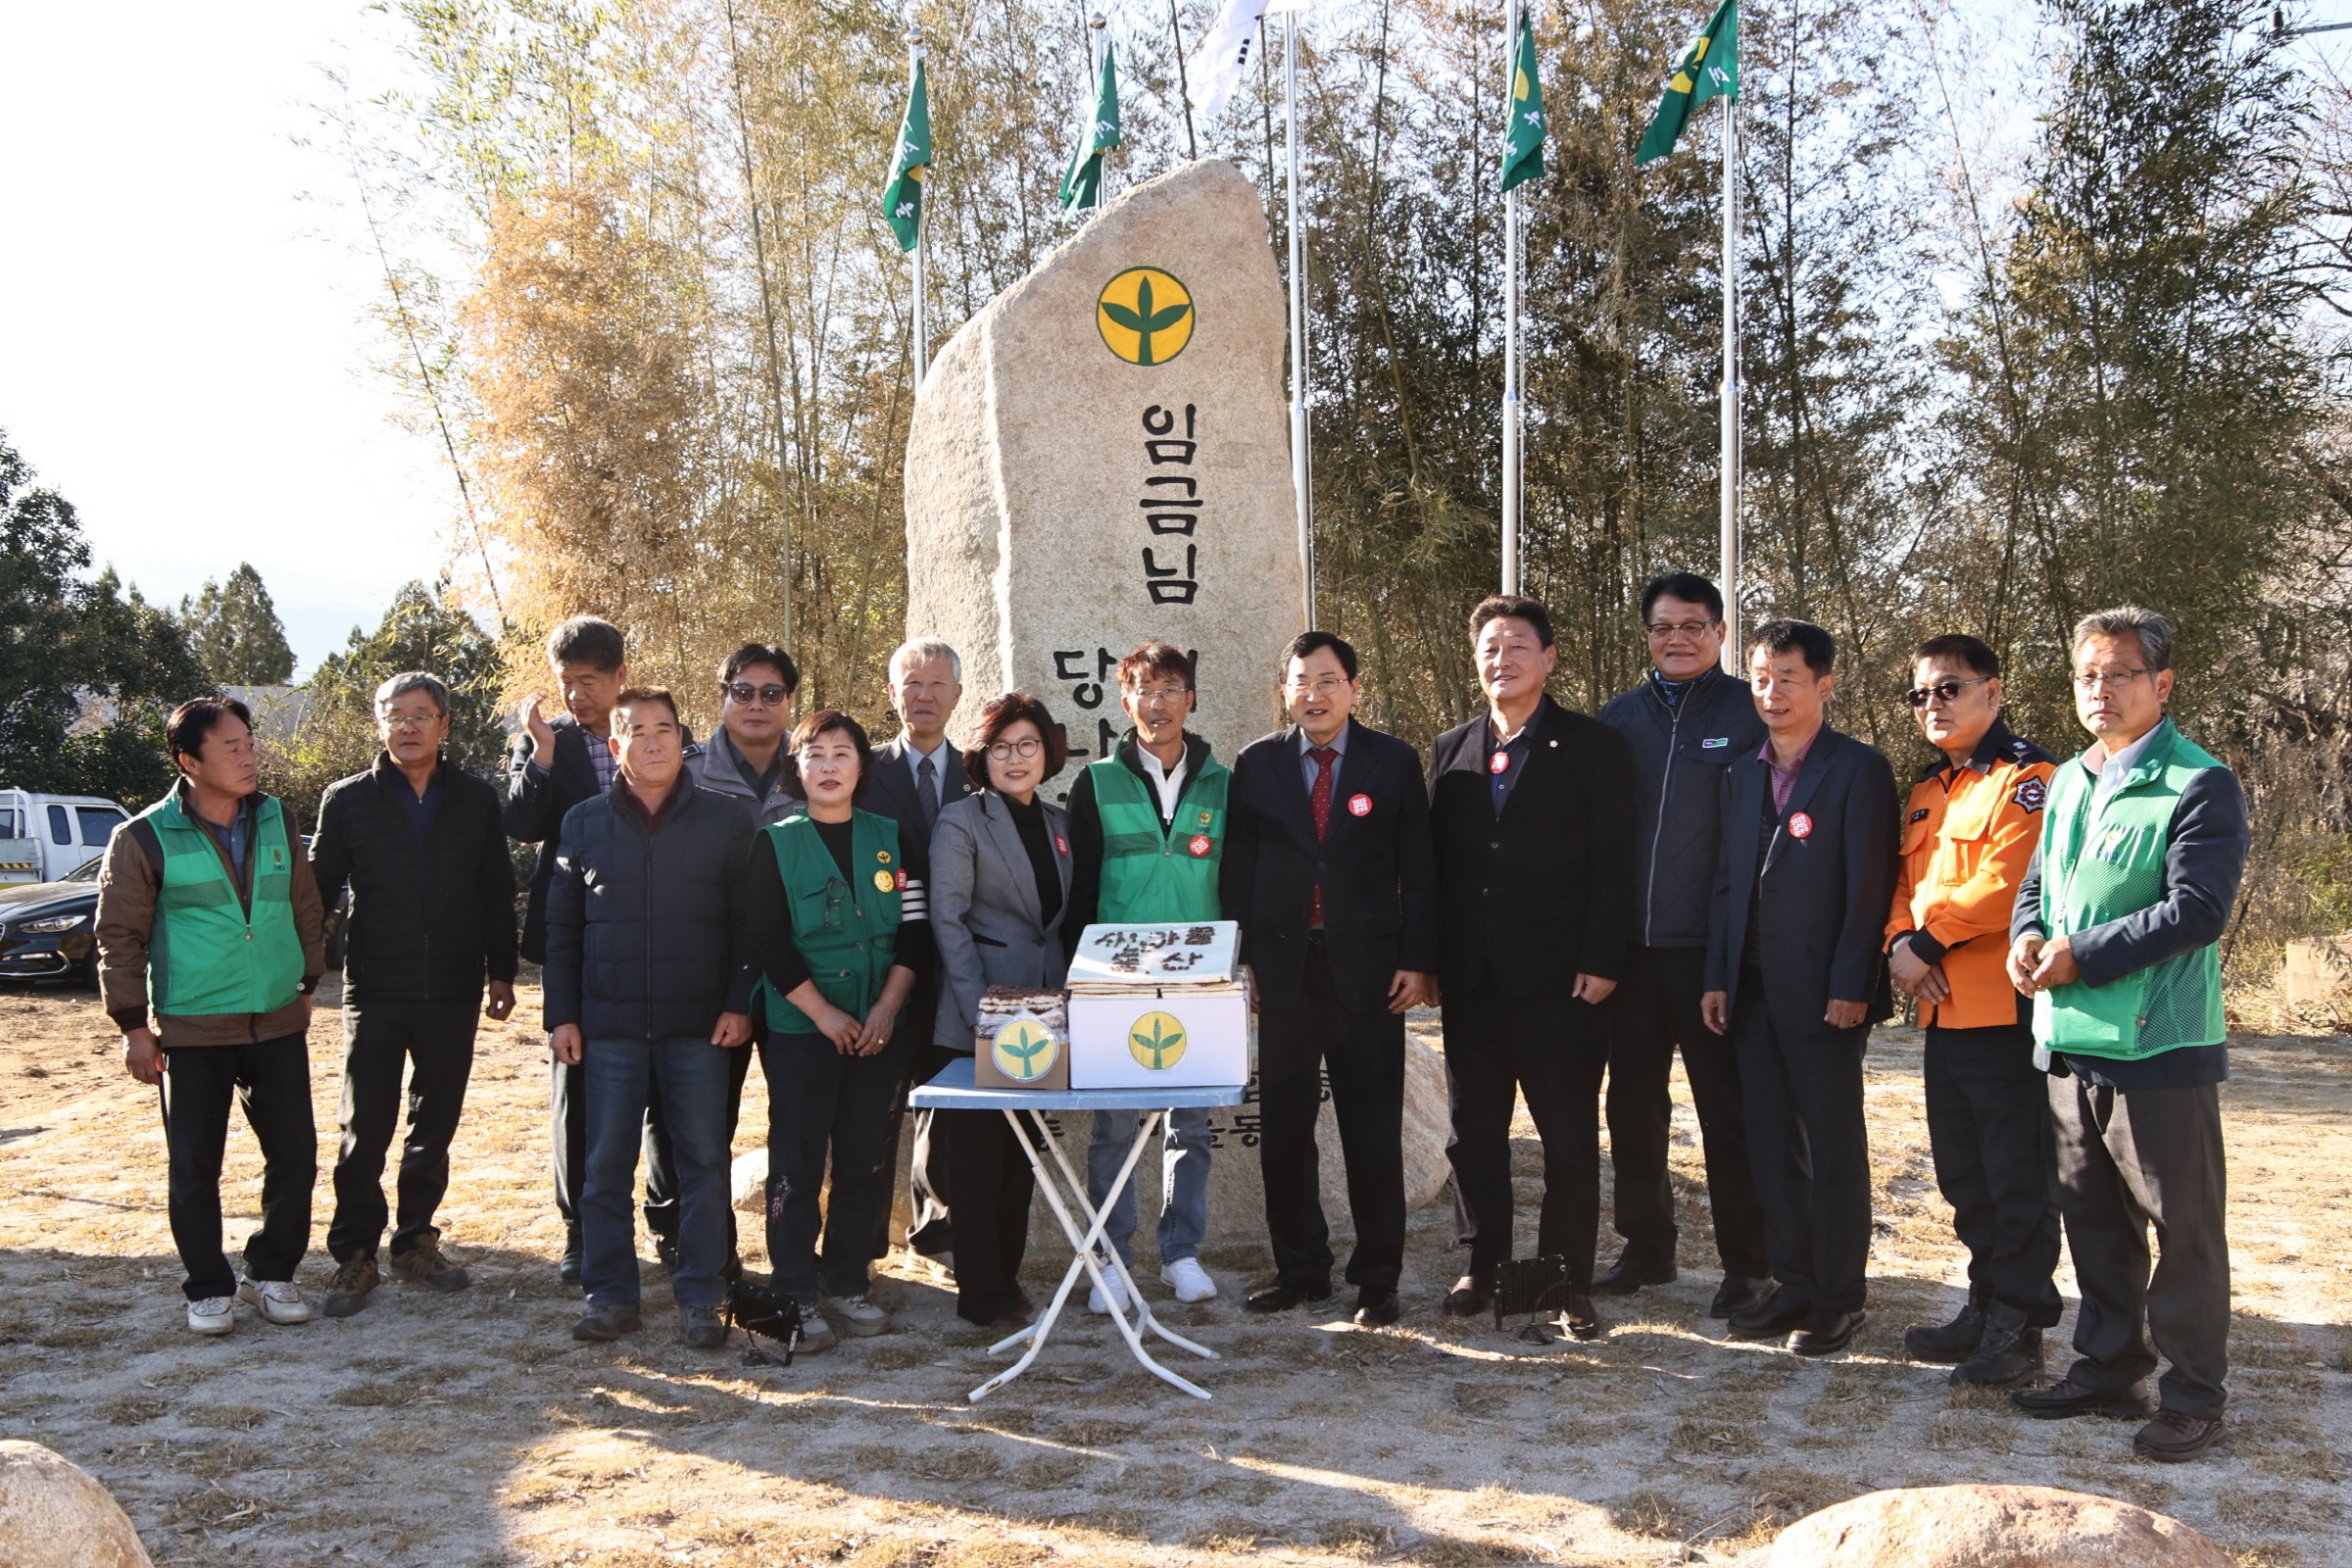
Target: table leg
x=1085, y=1261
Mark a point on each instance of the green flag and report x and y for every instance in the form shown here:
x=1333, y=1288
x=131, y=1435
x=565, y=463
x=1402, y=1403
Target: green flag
x=903, y=197
x=1082, y=185
x=1708, y=69
x=1523, y=142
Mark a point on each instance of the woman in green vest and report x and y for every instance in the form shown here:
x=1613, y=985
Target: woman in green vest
x=838, y=930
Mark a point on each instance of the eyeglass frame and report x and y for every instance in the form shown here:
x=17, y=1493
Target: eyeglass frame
x=744, y=692
x=1688, y=628
x=1007, y=751
x=1920, y=695
x=2107, y=677
x=1166, y=694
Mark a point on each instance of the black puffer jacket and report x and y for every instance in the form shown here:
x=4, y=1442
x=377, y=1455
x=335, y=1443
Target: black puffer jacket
x=1679, y=753
x=644, y=931
x=417, y=933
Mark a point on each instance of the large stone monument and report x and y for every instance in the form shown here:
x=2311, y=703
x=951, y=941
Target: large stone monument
x=1102, y=455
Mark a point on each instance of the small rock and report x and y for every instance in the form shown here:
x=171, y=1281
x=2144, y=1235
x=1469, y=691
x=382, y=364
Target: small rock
x=1990, y=1527
x=54, y=1515
x=746, y=1183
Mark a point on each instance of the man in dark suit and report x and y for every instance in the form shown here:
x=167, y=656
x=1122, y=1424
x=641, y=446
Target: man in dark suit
x=554, y=765
x=1329, y=869
x=1796, y=976
x=1532, y=815
x=916, y=774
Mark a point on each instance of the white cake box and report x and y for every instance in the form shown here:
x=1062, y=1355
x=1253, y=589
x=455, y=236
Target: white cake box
x=1161, y=1036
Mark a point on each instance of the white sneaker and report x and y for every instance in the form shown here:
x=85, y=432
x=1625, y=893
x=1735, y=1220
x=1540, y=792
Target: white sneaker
x=1189, y=1280
x=856, y=1314
x=1094, y=1300
x=215, y=1315
x=815, y=1333
x=276, y=1299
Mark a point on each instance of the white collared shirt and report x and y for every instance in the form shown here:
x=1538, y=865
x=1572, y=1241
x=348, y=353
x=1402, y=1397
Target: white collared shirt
x=2117, y=768
x=1168, y=782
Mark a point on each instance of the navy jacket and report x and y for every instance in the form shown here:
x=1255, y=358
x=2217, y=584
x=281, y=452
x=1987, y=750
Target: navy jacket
x=536, y=805
x=1378, y=868
x=1826, y=892
x=1679, y=753
x=419, y=932
x=1543, y=893
x=646, y=932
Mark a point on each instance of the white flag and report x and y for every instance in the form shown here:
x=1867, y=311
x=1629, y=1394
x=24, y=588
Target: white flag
x=1215, y=70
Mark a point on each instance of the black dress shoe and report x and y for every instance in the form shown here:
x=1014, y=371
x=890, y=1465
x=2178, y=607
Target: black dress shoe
x=568, y=1270
x=1283, y=1294
x=2008, y=1354
x=1827, y=1332
x=2067, y=1398
x=1469, y=1298
x=2172, y=1436
x=1737, y=1293
x=1578, y=1316
x=1949, y=1344
x=1630, y=1273
x=1777, y=1314
x=1376, y=1309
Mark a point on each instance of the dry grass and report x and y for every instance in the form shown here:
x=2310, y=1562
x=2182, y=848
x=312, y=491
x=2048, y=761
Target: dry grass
x=471, y=1430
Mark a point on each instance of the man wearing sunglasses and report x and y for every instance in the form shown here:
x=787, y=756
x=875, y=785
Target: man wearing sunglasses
x=1687, y=724
x=1969, y=832
x=744, y=759
x=2116, y=940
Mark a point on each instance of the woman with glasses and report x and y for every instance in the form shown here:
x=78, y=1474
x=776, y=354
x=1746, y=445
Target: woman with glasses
x=838, y=931
x=999, y=885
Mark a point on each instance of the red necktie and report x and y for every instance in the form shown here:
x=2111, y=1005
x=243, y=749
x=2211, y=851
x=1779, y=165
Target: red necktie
x=1320, y=799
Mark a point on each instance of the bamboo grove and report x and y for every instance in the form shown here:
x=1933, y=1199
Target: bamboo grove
x=2033, y=324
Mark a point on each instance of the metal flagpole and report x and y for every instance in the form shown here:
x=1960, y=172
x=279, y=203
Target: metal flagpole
x=923, y=341
x=1510, y=325
x=1729, y=479
x=1300, y=474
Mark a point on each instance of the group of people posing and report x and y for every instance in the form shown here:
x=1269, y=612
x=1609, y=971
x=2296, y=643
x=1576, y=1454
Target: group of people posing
x=1706, y=865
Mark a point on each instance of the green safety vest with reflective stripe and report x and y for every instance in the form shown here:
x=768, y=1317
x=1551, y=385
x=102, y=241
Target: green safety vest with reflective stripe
x=1149, y=874
x=206, y=954
x=2093, y=871
x=845, y=930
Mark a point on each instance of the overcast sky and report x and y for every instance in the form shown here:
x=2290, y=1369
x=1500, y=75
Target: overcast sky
x=183, y=349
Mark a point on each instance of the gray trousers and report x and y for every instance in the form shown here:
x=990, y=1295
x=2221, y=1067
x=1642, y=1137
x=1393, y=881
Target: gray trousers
x=2128, y=1160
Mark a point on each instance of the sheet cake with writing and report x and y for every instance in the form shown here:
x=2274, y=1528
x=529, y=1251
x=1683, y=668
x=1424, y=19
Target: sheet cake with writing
x=1192, y=956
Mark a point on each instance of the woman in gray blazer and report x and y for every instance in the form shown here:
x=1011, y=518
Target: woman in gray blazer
x=999, y=884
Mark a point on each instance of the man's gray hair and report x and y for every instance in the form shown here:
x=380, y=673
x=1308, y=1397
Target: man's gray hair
x=415, y=680
x=920, y=651
x=2154, y=632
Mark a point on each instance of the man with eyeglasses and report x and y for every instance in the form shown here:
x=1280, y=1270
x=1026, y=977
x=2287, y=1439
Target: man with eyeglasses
x=428, y=947
x=742, y=758
x=2115, y=938
x=1329, y=869
x=1969, y=832
x=1686, y=723
x=916, y=774
x=1148, y=834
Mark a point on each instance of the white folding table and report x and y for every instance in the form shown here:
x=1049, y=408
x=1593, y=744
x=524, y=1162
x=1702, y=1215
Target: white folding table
x=953, y=1090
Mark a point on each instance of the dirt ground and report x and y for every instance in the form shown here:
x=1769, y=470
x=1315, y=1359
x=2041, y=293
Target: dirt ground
x=471, y=1429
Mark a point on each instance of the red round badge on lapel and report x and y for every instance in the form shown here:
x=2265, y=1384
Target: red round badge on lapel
x=1800, y=827
x=902, y=881
x=1359, y=806
x=1499, y=763
x=1199, y=846
x=1062, y=846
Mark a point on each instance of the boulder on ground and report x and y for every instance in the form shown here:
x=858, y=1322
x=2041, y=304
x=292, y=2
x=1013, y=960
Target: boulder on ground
x=746, y=1184
x=54, y=1515
x=1990, y=1527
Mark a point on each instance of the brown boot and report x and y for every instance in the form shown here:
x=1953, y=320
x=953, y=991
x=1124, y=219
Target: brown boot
x=355, y=1281
x=420, y=1263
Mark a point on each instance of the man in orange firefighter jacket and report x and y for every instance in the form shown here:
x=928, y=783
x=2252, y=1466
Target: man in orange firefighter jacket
x=1969, y=832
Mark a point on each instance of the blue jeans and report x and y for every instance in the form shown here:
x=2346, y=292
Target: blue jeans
x=1184, y=1181
x=822, y=1103
x=618, y=1076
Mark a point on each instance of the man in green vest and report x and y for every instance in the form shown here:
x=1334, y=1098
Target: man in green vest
x=211, y=939
x=1146, y=837
x=2115, y=937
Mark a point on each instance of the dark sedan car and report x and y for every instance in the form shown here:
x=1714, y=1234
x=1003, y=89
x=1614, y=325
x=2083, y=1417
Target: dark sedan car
x=50, y=928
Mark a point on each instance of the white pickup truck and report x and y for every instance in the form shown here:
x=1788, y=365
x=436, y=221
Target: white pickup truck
x=46, y=838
